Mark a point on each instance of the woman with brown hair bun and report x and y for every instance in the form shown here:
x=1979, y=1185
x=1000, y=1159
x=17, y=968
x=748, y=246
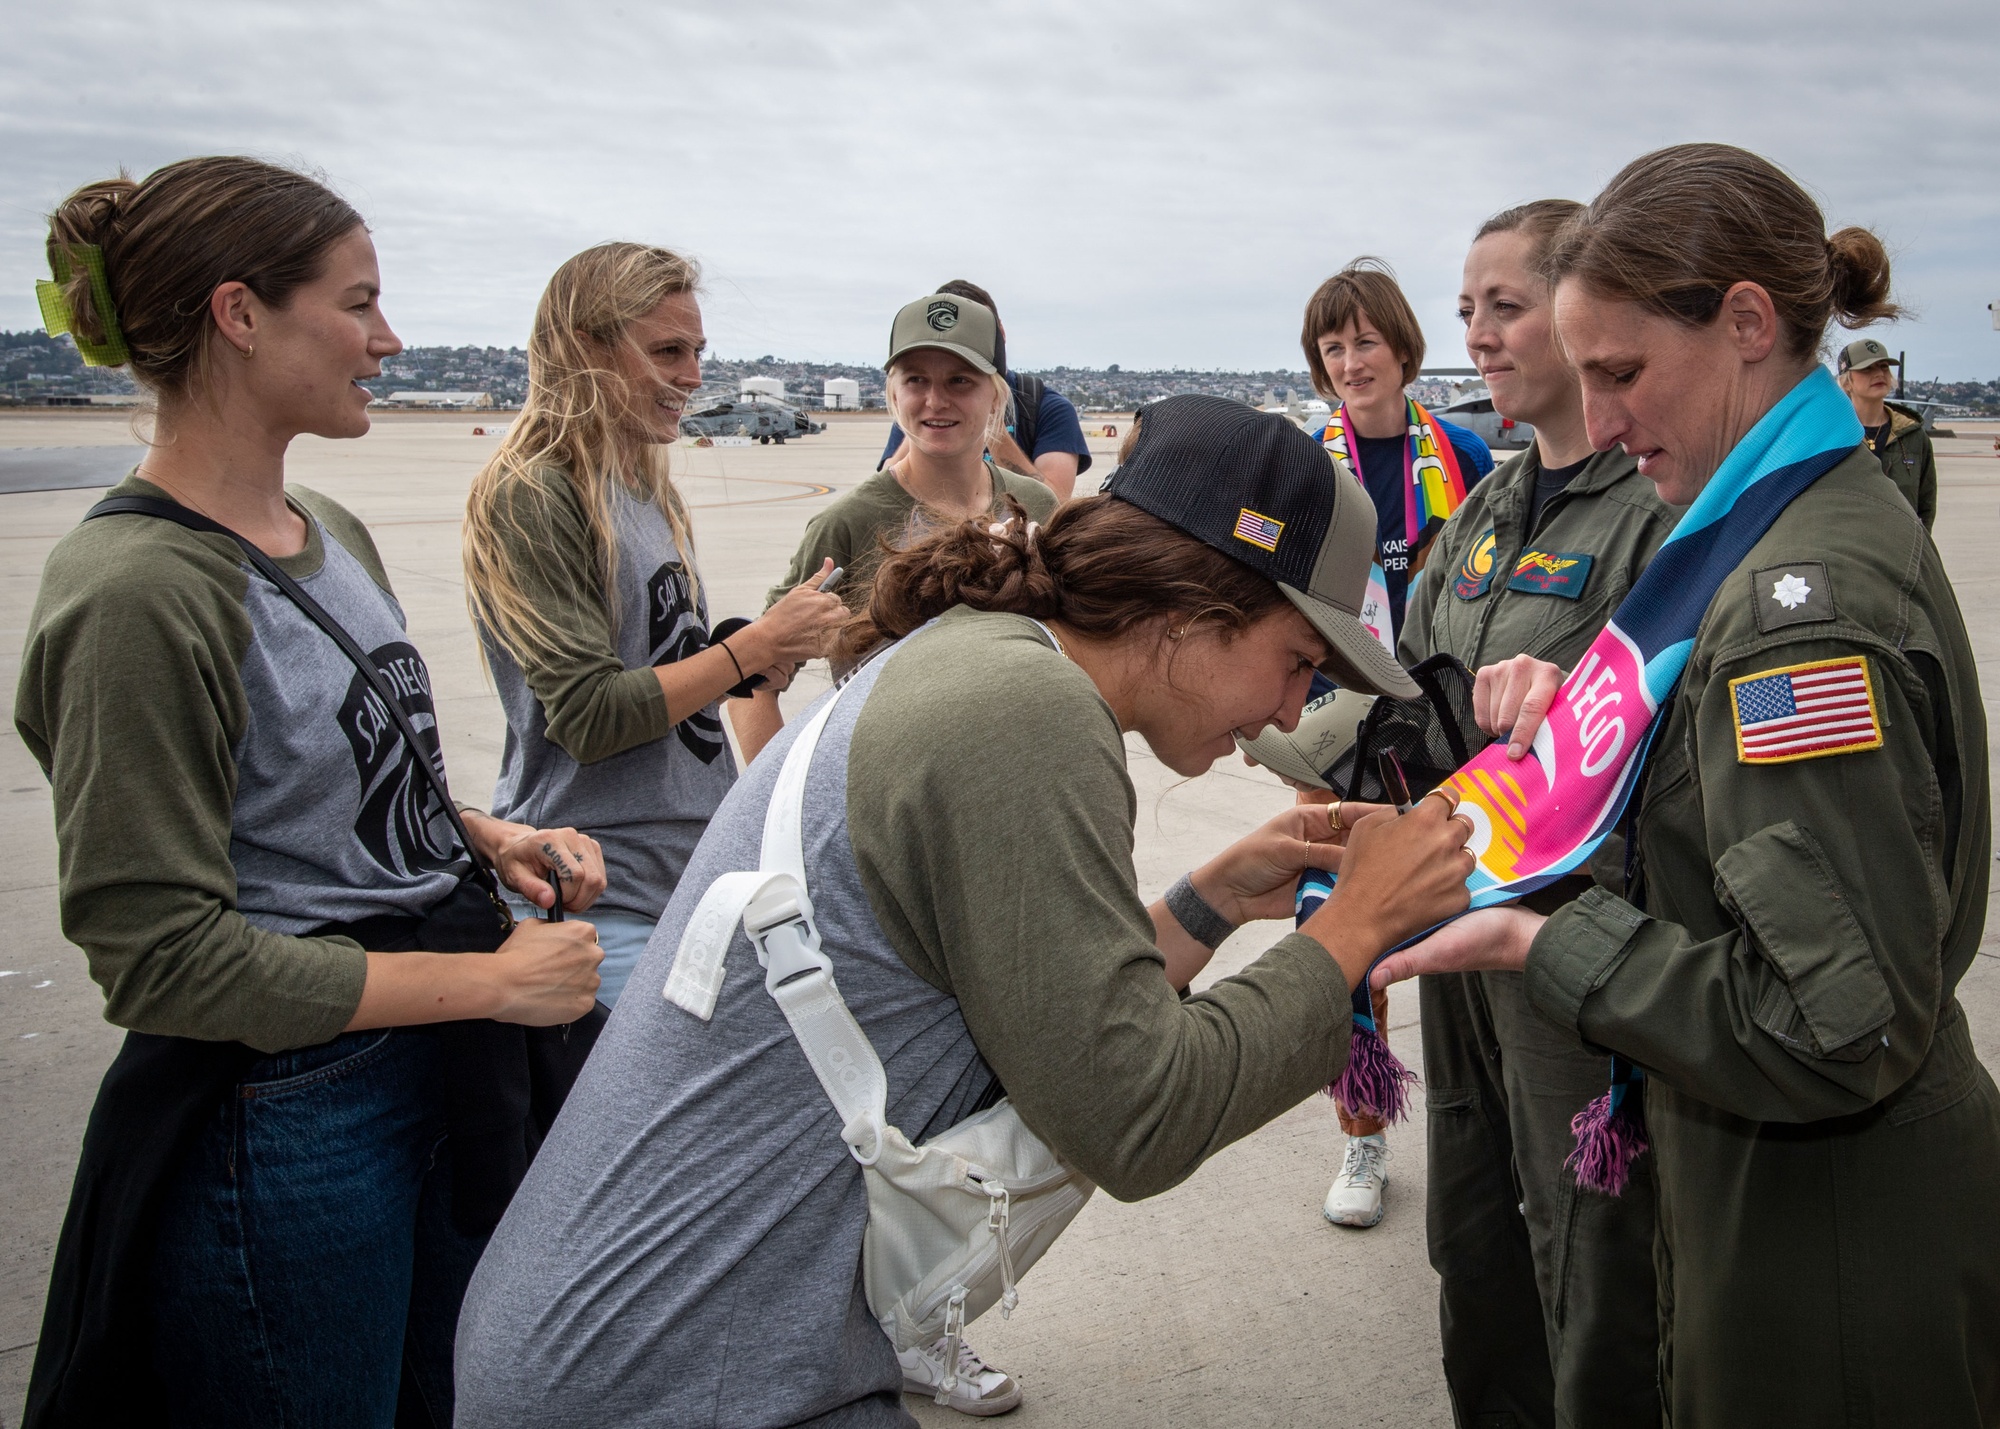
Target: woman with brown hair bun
x=286, y=1177
x=688, y=1247
x=1809, y=845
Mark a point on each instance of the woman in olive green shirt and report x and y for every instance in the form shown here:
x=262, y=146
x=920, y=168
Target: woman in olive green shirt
x=950, y=398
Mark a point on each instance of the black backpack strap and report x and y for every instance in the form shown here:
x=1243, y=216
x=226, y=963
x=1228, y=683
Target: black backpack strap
x=1028, y=390
x=181, y=516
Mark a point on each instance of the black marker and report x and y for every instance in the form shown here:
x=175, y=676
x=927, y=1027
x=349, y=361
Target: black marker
x=1393, y=782
x=555, y=913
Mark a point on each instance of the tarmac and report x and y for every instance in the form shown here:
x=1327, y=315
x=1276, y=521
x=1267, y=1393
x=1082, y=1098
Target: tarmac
x=1227, y=1301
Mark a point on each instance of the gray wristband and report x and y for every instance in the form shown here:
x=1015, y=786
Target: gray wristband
x=1196, y=917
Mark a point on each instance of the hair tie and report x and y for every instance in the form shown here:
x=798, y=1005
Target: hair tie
x=58, y=317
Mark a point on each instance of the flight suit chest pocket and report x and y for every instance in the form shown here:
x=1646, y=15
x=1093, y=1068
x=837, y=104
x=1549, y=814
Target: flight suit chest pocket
x=1833, y=1001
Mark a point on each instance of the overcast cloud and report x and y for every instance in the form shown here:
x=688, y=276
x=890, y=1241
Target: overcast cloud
x=1153, y=184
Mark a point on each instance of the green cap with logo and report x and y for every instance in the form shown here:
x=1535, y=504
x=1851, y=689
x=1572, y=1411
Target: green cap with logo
x=954, y=324
x=1863, y=352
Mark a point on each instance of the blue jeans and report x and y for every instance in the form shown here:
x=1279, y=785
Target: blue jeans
x=623, y=936
x=307, y=1270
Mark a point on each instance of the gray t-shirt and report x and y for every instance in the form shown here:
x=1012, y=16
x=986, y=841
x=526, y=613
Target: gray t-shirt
x=224, y=778
x=615, y=766
x=375, y=837
x=686, y=1248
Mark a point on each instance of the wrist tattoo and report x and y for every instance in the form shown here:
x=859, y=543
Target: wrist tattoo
x=1195, y=914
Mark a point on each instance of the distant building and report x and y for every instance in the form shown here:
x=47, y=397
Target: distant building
x=843, y=394
x=436, y=399
x=763, y=387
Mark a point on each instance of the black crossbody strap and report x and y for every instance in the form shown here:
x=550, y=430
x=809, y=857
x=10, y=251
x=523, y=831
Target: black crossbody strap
x=335, y=631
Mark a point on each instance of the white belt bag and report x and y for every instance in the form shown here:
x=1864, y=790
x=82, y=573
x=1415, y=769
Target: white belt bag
x=952, y=1223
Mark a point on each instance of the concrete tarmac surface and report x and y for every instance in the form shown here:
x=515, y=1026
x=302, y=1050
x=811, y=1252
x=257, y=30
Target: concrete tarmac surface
x=1227, y=1301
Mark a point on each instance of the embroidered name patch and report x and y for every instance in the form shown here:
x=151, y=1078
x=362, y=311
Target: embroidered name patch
x=1563, y=573
x=1805, y=712
x=1258, y=529
x=1475, y=572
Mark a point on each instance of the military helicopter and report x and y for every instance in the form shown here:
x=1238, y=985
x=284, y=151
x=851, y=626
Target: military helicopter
x=1472, y=409
x=764, y=418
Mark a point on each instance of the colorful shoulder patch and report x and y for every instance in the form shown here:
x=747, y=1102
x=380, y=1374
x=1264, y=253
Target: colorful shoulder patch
x=1563, y=573
x=1475, y=572
x=1805, y=712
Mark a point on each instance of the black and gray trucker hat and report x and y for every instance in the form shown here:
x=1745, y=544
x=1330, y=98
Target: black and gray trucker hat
x=1255, y=487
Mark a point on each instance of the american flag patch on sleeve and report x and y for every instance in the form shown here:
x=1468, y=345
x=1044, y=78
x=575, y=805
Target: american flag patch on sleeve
x=1805, y=712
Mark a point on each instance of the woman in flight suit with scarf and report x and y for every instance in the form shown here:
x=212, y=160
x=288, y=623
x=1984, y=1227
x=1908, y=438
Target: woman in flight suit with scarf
x=1791, y=692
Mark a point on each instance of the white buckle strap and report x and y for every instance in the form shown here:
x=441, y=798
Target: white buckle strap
x=695, y=981
x=775, y=912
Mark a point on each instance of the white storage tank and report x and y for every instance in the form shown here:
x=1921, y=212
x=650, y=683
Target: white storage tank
x=843, y=394
x=773, y=387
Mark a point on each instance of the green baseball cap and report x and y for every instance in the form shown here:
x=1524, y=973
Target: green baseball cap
x=945, y=320
x=1863, y=352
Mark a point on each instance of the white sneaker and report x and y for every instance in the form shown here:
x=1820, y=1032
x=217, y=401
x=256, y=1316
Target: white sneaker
x=981, y=1389
x=1355, y=1198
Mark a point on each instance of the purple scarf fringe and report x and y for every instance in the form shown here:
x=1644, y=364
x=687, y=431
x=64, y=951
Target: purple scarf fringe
x=1373, y=1084
x=1608, y=1141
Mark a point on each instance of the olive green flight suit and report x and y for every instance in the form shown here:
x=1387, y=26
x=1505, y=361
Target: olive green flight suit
x=1826, y=1145
x=1546, y=1299
x=1907, y=458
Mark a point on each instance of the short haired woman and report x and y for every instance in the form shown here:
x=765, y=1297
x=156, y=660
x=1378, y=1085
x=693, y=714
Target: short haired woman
x=689, y=1250
x=1809, y=853
x=579, y=566
x=270, y=1222
x=1546, y=1300
x=948, y=394
x=1363, y=346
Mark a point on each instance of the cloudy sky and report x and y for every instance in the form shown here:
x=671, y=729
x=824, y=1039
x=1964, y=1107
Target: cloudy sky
x=1154, y=184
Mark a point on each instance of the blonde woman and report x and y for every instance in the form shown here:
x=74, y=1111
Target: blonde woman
x=580, y=573
x=948, y=392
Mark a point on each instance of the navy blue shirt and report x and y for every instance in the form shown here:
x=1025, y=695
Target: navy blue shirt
x=1379, y=463
x=1056, y=430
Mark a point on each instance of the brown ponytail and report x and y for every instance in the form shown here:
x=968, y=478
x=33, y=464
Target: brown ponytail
x=1101, y=566
x=1675, y=229
x=172, y=239
x=1860, y=267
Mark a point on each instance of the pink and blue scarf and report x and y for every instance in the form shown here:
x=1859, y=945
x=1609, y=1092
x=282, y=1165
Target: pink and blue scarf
x=1540, y=818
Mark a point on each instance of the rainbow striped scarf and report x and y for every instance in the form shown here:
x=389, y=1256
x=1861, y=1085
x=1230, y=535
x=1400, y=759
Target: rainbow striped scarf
x=1433, y=485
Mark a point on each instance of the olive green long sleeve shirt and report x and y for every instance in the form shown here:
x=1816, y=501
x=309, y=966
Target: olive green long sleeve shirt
x=222, y=780
x=991, y=816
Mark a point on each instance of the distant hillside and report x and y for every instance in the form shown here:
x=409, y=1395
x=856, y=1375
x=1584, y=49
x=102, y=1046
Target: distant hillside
x=35, y=367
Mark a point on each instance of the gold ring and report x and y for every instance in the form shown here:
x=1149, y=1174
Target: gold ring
x=1452, y=794
x=1333, y=817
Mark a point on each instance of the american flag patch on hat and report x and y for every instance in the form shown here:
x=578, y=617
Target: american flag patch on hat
x=1258, y=529
x=1805, y=712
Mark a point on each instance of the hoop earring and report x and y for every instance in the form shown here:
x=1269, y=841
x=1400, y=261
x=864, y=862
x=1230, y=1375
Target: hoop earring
x=1176, y=634
x=249, y=352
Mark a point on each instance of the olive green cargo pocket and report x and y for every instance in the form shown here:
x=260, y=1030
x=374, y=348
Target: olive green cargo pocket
x=1833, y=1000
